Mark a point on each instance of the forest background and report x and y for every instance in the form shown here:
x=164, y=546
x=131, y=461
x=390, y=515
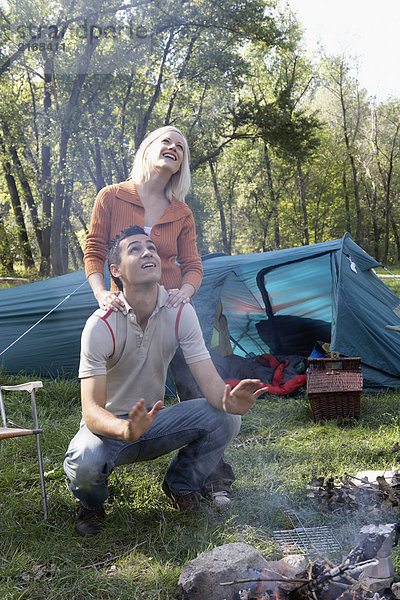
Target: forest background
x=285, y=150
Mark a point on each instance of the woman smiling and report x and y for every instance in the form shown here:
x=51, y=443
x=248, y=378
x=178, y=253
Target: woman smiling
x=153, y=198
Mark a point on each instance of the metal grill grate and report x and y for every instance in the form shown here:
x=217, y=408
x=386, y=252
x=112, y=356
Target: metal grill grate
x=305, y=540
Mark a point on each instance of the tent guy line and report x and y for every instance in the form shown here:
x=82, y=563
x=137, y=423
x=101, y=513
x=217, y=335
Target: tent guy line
x=42, y=318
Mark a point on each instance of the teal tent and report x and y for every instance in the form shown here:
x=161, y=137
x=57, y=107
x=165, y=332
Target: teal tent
x=282, y=302
x=53, y=345
x=278, y=302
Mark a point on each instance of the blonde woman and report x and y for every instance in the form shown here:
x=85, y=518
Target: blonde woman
x=153, y=198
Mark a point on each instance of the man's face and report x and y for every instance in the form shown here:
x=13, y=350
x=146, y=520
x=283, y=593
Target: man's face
x=139, y=261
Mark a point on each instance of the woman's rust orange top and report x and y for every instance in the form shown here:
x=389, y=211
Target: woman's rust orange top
x=118, y=207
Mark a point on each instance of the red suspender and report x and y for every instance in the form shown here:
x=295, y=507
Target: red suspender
x=104, y=319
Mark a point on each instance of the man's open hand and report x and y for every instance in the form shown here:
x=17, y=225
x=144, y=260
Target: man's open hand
x=242, y=397
x=140, y=420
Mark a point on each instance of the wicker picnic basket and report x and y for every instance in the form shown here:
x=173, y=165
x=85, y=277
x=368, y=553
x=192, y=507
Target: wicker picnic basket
x=334, y=386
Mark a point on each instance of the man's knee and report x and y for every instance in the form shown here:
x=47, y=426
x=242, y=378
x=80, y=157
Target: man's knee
x=84, y=468
x=234, y=424
x=228, y=424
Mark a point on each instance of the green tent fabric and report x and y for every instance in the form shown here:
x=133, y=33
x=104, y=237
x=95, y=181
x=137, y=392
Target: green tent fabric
x=278, y=302
x=52, y=347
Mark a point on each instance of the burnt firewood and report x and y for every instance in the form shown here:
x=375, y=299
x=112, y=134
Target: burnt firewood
x=345, y=495
x=331, y=583
x=388, y=490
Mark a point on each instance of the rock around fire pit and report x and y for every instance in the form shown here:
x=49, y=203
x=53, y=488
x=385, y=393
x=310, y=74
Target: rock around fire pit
x=238, y=571
x=201, y=578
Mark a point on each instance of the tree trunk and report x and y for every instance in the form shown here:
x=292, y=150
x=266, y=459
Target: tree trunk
x=272, y=197
x=277, y=235
x=224, y=234
x=396, y=236
x=346, y=203
x=352, y=163
x=263, y=218
x=375, y=225
x=66, y=225
x=141, y=129
x=5, y=250
x=45, y=184
x=25, y=186
x=179, y=78
x=23, y=240
x=112, y=159
x=356, y=199
x=65, y=133
x=75, y=247
x=306, y=234
x=82, y=221
x=57, y=266
x=73, y=258
x=386, y=178
x=100, y=183
x=121, y=144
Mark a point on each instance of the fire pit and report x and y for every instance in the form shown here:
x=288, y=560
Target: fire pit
x=320, y=582
x=365, y=573
x=313, y=567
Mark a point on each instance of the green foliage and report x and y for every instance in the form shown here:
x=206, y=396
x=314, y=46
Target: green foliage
x=92, y=80
x=300, y=154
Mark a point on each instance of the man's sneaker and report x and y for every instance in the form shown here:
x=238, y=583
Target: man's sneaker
x=89, y=522
x=222, y=498
x=189, y=501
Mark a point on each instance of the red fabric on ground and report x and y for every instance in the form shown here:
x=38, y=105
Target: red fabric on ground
x=279, y=390
x=277, y=386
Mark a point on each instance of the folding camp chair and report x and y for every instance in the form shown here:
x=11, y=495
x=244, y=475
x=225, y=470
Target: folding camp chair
x=18, y=430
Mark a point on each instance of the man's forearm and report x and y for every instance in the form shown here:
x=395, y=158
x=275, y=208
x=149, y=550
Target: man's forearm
x=102, y=422
x=97, y=418
x=211, y=384
x=236, y=401
x=215, y=393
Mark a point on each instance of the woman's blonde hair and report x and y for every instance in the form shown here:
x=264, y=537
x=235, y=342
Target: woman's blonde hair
x=179, y=183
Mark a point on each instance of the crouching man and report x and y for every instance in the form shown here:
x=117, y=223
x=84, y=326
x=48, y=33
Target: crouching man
x=124, y=361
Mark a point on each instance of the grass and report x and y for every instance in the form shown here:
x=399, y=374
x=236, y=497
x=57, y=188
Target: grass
x=390, y=277
x=140, y=553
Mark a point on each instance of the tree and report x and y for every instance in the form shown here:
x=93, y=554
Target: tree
x=98, y=75
x=385, y=133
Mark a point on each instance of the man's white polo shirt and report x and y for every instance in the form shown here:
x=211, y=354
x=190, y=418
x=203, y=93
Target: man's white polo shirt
x=136, y=361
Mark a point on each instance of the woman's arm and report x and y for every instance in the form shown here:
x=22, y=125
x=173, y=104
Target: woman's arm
x=98, y=237
x=188, y=256
x=190, y=265
x=97, y=242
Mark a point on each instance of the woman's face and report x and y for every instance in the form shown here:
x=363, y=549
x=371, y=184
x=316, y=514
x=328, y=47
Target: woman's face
x=167, y=151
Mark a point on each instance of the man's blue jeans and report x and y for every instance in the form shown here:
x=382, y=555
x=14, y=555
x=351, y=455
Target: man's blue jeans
x=200, y=431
